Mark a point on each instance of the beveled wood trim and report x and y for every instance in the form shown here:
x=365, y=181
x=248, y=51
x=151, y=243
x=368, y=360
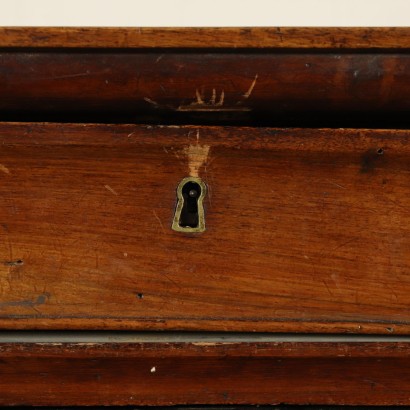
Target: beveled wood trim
x=206, y=37
x=238, y=349
x=203, y=338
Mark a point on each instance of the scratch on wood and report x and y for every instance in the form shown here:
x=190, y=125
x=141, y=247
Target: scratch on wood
x=249, y=92
x=170, y=280
x=199, y=99
x=335, y=184
x=220, y=103
x=71, y=75
x=213, y=104
x=213, y=98
x=4, y=169
x=159, y=220
x=154, y=103
x=110, y=189
x=327, y=287
x=343, y=244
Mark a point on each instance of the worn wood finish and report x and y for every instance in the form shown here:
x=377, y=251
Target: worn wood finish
x=202, y=37
x=182, y=83
x=184, y=373
x=223, y=407
x=228, y=407
x=307, y=230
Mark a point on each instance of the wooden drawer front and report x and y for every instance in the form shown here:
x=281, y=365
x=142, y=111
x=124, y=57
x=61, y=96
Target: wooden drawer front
x=307, y=230
x=164, y=374
x=181, y=84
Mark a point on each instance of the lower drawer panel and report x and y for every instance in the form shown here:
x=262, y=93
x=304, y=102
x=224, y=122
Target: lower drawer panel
x=102, y=374
x=306, y=230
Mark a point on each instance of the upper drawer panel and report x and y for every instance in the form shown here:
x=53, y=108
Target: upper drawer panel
x=177, y=84
x=306, y=230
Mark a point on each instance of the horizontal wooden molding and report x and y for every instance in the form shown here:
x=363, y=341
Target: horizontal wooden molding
x=204, y=373
x=212, y=338
x=235, y=37
x=205, y=348
x=180, y=86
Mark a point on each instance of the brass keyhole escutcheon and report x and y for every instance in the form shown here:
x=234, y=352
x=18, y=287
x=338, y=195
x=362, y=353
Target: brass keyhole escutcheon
x=189, y=213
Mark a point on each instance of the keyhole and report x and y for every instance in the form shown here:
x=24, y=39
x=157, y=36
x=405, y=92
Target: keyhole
x=191, y=191
x=189, y=213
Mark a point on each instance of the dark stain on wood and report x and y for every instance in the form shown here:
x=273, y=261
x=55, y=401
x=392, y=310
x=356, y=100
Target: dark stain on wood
x=40, y=300
x=18, y=262
x=371, y=159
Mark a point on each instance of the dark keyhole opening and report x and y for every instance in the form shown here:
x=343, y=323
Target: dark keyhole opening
x=191, y=192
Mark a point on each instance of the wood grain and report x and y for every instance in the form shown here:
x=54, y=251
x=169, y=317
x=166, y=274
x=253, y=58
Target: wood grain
x=202, y=37
x=307, y=230
x=180, y=84
x=219, y=373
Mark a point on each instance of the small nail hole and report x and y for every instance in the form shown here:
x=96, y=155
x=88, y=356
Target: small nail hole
x=380, y=151
x=140, y=295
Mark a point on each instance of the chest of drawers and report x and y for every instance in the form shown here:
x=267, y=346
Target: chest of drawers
x=224, y=212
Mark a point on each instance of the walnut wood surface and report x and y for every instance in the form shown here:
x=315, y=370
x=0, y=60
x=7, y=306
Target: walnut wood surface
x=212, y=37
x=307, y=230
x=181, y=83
x=205, y=373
